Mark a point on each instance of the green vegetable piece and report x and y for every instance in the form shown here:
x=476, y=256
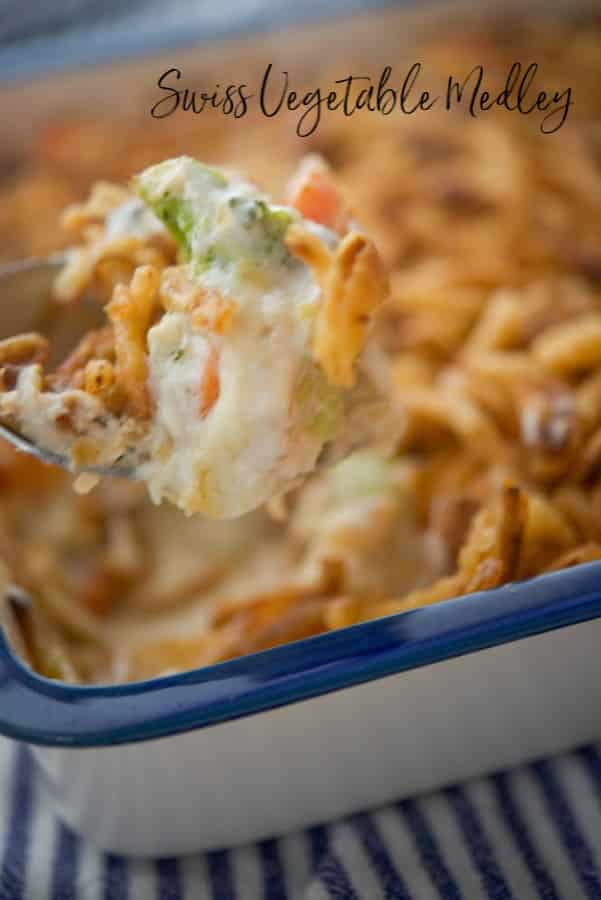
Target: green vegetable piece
x=173, y=210
x=181, y=193
x=273, y=223
x=203, y=262
x=363, y=474
x=321, y=405
x=177, y=217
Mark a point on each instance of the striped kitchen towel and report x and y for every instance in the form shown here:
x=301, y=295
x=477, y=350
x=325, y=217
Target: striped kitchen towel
x=534, y=832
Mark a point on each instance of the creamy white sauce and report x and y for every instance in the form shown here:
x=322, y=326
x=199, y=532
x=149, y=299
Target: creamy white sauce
x=132, y=219
x=265, y=428
x=252, y=443
x=248, y=446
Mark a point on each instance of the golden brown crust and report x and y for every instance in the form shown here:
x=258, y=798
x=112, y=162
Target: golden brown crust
x=353, y=285
x=491, y=233
x=131, y=312
x=23, y=349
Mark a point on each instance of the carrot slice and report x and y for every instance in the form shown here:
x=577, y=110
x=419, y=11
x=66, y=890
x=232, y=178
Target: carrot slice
x=209, y=384
x=317, y=199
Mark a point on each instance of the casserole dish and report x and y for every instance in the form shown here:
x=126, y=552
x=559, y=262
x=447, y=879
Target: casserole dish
x=318, y=728
x=307, y=732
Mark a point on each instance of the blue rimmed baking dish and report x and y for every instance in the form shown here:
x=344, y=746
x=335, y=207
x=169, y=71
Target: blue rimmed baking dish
x=317, y=728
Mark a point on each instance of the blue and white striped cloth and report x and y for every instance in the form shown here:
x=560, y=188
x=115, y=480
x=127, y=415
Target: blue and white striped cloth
x=534, y=832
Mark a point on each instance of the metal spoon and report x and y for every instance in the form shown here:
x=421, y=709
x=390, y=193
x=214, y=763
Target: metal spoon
x=27, y=305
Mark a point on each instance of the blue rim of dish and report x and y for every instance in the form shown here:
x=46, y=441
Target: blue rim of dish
x=40, y=56
x=40, y=711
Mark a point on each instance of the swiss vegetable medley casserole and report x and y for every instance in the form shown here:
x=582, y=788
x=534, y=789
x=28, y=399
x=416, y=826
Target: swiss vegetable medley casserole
x=378, y=390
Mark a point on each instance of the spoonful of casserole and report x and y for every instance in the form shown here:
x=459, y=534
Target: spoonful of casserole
x=229, y=362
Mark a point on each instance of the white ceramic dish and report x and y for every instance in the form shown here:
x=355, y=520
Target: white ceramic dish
x=315, y=729
x=318, y=728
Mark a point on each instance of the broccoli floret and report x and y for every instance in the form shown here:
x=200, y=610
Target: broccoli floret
x=177, y=218
x=181, y=193
x=164, y=199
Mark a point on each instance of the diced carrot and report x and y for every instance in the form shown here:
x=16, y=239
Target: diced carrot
x=213, y=312
x=209, y=384
x=317, y=199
